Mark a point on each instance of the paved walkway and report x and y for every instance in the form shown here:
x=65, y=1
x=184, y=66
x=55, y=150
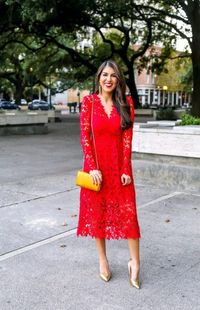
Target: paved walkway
x=44, y=266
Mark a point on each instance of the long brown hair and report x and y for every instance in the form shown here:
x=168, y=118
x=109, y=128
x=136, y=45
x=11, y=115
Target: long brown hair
x=118, y=96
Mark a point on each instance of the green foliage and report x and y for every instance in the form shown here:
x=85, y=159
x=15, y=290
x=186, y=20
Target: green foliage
x=51, y=32
x=187, y=78
x=166, y=114
x=187, y=119
x=111, y=29
x=174, y=72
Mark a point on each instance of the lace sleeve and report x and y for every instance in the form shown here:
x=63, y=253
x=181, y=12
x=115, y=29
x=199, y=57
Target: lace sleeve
x=85, y=136
x=127, y=143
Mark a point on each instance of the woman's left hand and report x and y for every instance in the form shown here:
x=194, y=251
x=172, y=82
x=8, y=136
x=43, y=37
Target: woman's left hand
x=125, y=179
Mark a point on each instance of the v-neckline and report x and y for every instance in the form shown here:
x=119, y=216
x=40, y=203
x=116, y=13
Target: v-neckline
x=111, y=111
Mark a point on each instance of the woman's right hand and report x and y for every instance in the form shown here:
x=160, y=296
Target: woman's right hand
x=97, y=176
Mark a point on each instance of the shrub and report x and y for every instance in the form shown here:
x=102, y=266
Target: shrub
x=187, y=119
x=166, y=114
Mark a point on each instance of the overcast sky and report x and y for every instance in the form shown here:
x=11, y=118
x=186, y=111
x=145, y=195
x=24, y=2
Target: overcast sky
x=181, y=44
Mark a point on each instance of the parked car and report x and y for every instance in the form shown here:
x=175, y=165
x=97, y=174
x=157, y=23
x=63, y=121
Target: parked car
x=7, y=105
x=23, y=102
x=39, y=105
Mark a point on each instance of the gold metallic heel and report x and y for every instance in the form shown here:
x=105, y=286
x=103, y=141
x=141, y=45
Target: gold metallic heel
x=135, y=283
x=104, y=277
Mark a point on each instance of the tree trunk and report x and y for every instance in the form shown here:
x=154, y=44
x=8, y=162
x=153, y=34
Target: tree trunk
x=19, y=89
x=132, y=87
x=196, y=86
x=196, y=59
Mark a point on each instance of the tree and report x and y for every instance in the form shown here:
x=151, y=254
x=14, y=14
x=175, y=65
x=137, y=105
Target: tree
x=116, y=30
x=117, y=27
x=11, y=69
x=183, y=16
x=174, y=73
x=22, y=27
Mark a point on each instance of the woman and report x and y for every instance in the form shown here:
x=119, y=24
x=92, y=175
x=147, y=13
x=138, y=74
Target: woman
x=111, y=212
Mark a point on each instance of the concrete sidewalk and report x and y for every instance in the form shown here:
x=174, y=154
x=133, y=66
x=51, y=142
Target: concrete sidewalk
x=44, y=266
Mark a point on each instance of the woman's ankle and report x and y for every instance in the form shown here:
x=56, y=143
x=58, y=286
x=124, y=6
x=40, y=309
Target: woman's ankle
x=103, y=259
x=135, y=263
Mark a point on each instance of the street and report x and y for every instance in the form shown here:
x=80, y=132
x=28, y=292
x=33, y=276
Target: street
x=44, y=266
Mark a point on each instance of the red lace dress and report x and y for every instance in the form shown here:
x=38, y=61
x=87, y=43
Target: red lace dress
x=110, y=213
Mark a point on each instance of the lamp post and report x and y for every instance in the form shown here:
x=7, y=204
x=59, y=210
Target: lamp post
x=31, y=82
x=78, y=95
x=165, y=88
x=50, y=105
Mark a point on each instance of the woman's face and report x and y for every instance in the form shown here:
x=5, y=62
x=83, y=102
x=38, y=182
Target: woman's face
x=108, y=80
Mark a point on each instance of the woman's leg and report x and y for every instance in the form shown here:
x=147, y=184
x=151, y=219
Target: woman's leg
x=134, y=248
x=103, y=261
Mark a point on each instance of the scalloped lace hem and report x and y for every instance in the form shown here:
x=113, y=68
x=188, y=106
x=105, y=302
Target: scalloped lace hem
x=109, y=237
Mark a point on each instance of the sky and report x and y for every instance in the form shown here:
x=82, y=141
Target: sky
x=180, y=45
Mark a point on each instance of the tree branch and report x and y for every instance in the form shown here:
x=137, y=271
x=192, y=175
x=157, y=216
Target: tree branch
x=146, y=46
x=182, y=35
x=165, y=13
x=2, y=47
x=73, y=53
x=181, y=56
x=104, y=38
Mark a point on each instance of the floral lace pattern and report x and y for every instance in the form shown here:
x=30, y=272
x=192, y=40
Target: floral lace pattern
x=110, y=213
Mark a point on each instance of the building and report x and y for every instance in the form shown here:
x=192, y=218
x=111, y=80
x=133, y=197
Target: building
x=163, y=90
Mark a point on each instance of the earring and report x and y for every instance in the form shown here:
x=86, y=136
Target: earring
x=100, y=89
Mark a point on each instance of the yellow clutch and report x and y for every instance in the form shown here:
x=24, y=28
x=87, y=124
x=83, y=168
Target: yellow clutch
x=84, y=179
